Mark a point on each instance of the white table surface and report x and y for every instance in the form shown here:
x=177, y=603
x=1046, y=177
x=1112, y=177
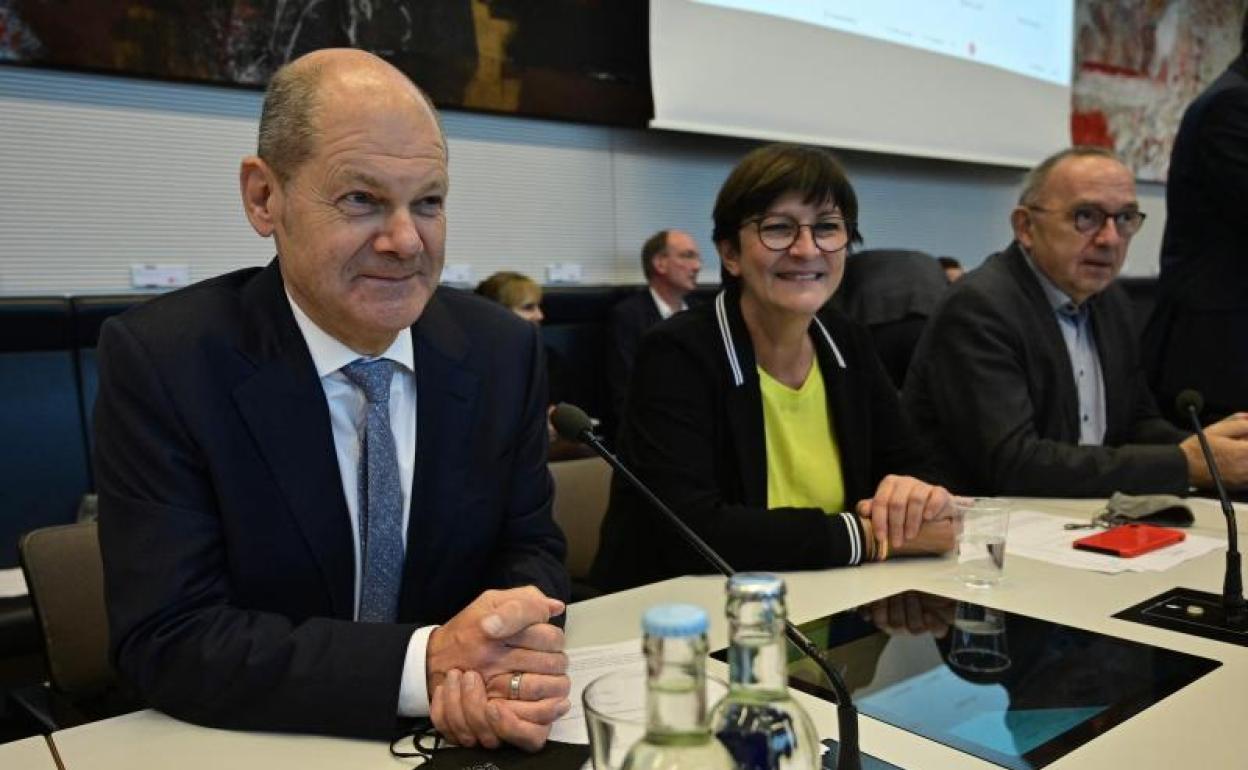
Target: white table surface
x=1201, y=725
x=27, y=754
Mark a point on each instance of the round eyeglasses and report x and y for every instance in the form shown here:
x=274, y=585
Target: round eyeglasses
x=779, y=232
x=1090, y=219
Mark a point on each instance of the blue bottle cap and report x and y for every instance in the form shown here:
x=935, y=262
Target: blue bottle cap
x=757, y=585
x=668, y=620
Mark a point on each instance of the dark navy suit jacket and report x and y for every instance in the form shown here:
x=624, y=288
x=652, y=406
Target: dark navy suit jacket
x=228, y=556
x=628, y=320
x=1198, y=336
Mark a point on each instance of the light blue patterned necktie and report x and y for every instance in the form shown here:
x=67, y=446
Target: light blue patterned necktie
x=380, y=495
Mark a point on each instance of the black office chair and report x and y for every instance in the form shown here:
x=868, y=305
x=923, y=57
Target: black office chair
x=892, y=292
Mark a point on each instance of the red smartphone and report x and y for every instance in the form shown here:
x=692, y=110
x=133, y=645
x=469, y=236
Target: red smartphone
x=1130, y=540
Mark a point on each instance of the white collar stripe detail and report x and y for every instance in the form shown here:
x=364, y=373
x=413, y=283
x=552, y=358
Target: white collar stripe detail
x=835, y=350
x=725, y=332
x=721, y=315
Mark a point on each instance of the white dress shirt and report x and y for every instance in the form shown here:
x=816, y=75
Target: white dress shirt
x=665, y=310
x=346, y=416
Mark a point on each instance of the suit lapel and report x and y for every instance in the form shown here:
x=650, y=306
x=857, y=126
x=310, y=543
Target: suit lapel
x=653, y=316
x=1117, y=415
x=744, y=402
x=1045, y=323
x=446, y=402
x=284, y=408
x=840, y=411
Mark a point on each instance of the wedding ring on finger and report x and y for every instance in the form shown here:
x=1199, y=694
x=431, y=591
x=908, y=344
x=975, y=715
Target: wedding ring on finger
x=513, y=688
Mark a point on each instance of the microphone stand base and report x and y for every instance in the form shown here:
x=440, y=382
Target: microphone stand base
x=1198, y=613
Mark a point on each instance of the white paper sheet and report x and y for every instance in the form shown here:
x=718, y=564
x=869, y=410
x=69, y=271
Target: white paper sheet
x=585, y=664
x=12, y=583
x=1043, y=537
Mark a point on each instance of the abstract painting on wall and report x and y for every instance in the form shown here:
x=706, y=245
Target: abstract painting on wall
x=1138, y=63
x=580, y=60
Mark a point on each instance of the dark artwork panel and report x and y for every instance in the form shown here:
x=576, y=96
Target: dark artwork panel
x=583, y=60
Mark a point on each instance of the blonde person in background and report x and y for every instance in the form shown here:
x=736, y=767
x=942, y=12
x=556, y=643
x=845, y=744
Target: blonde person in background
x=523, y=296
x=515, y=291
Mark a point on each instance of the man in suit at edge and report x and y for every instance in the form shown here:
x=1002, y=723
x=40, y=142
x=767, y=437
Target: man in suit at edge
x=671, y=262
x=1028, y=379
x=257, y=507
x=1198, y=335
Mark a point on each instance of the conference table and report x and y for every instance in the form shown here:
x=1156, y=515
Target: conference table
x=1202, y=725
x=27, y=754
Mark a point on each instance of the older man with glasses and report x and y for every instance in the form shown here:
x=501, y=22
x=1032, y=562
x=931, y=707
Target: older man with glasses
x=1028, y=377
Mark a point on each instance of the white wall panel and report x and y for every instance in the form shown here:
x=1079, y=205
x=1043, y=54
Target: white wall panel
x=523, y=205
x=91, y=187
x=940, y=207
x=668, y=181
x=97, y=173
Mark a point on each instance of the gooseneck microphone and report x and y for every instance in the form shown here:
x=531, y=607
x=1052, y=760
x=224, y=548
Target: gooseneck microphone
x=572, y=424
x=1191, y=403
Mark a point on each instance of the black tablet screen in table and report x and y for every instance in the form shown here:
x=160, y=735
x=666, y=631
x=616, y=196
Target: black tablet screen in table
x=1014, y=690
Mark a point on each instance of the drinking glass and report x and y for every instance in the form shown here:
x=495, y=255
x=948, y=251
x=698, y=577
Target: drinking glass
x=615, y=713
x=982, y=526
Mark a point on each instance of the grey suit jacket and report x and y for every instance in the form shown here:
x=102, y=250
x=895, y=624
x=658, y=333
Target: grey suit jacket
x=991, y=386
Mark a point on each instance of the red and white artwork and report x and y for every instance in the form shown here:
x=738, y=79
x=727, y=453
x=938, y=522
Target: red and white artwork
x=1138, y=63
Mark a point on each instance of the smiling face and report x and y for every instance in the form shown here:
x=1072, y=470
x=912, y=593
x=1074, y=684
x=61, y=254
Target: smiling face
x=796, y=281
x=360, y=225
x=1080, y=264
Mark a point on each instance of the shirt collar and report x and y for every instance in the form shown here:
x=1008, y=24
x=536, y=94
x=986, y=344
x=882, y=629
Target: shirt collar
x=329, y=354
x=1059, y=301
x=665, y=310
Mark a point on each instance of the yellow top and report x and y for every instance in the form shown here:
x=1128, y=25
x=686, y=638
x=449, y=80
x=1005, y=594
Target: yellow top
x=803, y=463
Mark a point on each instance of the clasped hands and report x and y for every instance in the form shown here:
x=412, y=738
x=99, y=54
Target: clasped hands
x=470, y=663
x=914, y=517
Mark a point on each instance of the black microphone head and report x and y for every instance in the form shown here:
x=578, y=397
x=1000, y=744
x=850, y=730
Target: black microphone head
x=1190, y=399
x=571, y=422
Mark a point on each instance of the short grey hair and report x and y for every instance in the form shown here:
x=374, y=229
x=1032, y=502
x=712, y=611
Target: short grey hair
x=1036, y=178
x=289, y=117
x=653, y=247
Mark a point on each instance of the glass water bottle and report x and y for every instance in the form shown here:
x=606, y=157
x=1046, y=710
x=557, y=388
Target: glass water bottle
x=677, y=733
x=758, y=721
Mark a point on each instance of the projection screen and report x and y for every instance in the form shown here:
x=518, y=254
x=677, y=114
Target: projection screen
x=972, y=80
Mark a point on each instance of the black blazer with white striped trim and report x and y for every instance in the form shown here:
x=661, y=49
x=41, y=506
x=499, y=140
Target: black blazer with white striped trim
x=693, y=431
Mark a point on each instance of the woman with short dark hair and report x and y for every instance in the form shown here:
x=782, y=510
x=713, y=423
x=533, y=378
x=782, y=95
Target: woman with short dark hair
x=763, y=418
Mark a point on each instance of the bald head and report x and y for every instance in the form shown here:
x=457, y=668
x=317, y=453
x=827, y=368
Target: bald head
x=301, y=93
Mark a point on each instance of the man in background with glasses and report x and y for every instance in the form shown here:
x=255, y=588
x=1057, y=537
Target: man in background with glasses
x=1028, y=377
x=670, y=261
